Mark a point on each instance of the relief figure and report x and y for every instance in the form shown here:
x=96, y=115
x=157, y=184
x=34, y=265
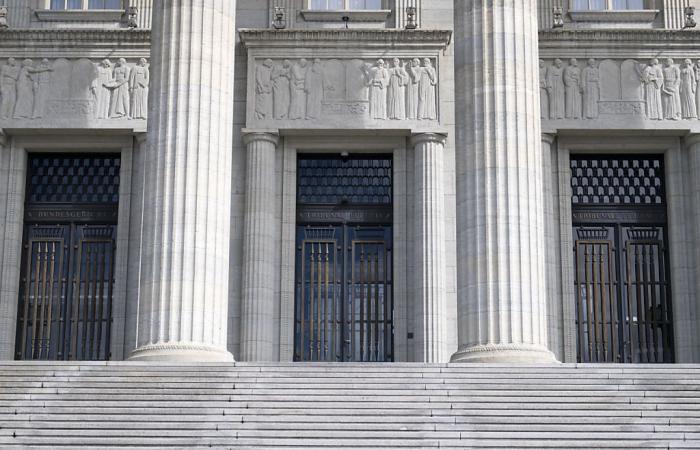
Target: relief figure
x=119, y=102
x=25, y=91
x=398, y=79
x=572, y=84
x=42, y=83
x=590, y=79
x=697, y=87
x=263, y=90
x=281, y=90
x=9, y=75
x=138, y=85
x=427, y=107
x=671, y=91
x=377, y=78
x=100, y=89
x=414, y=71
x=313, y=87
x=653, y=80
x=688, y=87
x=556, y=90
x=544, y=96
x=297, y=108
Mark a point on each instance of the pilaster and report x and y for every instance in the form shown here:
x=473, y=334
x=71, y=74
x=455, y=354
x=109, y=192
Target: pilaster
x=257, y=308
x=692, y=144
x=502, y=293
x=429, y=250
x=187, y=203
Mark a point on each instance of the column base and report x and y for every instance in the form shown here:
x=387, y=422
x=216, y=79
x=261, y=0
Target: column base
x=181, y=352
x=505, y=353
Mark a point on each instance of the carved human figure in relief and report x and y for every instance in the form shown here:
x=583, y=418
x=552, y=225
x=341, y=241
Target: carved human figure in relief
x=687, y=90
x=671, y=91
x=398, y=80
x=25, y=91
x=119, y=103
x=697, y=87
x=556, y=90
x=544, y=96
x=139, y=80
x=590, y=83
x=572, y=84
x=314, y=90
x=427, y=106
x=263, y=90
x=653, y=81
x=100, y=89
x=414, y=71
x=281, y=90
x=9, y=75
x=42, y=83
x=377, y=78
x=297, y=107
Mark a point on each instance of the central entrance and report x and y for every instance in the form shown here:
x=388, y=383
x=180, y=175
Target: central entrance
x=343, y=284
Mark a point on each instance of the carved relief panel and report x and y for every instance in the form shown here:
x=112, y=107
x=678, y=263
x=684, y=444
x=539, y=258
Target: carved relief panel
x=62, y=90
x=330, y=89
x=658, y=89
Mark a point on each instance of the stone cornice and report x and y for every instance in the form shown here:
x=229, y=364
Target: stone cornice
x=74, y=42
x=339, y=38
x=655, y=40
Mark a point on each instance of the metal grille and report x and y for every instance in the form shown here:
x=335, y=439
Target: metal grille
x=73, y=179
x=365, y=181
x=610, y=180
x=623, y=294
x=344, y=308
x=67, y=281
x=65, y=308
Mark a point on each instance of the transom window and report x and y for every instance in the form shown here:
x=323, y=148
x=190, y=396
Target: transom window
x=330, y=5
x=601, y=5
x=85, y=4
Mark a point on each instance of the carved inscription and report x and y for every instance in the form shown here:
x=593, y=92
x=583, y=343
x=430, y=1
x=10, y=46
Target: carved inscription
x=308, y=90
x=74, y=89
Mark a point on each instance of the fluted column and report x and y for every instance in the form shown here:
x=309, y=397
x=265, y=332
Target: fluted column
x=257, y=306
x=692, y=143
x=430, y=267
x=501, y=280
x=18, y=13
x=186, y=223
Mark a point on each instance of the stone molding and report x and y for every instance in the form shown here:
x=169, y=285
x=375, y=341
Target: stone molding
x=636, y=40
x=269, y=136
x=380, y=15
x=83, y=15
x=69, y=37
x=692, y=140
x=193, y=351
x=507, y=353
x=354, y=38
x=419, y=138
x=642, y=16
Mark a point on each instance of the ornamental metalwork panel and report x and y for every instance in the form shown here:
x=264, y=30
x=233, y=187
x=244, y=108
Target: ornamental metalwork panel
x=67, y=278
x=344, y=283
x=623, y=293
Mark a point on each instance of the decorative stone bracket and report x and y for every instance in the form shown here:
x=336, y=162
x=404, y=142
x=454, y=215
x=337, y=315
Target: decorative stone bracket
x=343, y=78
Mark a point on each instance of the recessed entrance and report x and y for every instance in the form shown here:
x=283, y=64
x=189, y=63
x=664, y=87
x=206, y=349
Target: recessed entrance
x=67, y=278
x=344, y=284
x=621, y=261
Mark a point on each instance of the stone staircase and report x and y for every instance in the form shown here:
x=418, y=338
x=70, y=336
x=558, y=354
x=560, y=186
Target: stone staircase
x=192, y=406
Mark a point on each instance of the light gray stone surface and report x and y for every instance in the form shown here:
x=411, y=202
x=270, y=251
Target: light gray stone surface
x=502, y=293
x=183, y=299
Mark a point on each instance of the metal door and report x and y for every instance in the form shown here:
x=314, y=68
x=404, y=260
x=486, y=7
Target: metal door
x=344, y=293
x=623, y=292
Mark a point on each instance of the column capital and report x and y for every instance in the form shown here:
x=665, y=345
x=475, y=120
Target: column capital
x=419, y=138
x=271, y=136
x=548, y=138
x=692, y=139
x=141, y=138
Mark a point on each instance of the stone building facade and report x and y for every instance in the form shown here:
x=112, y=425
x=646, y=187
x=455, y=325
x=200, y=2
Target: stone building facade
x=398, y=180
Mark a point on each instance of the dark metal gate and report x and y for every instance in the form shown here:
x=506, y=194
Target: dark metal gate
x=623, y=292
x=344, y=292
x=67, y=278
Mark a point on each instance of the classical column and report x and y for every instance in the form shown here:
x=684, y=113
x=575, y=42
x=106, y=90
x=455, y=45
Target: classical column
x=429, y=248
x=692, y=144
x=257, y=306
x=502, y=290
x=186, y=222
